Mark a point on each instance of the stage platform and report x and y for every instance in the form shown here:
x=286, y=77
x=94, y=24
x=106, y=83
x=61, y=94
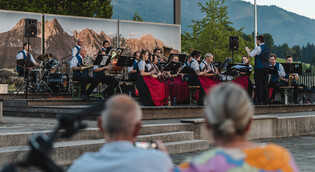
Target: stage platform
x=51, y=107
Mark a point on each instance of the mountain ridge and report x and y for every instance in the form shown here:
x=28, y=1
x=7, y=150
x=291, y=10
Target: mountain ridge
x=284, y=26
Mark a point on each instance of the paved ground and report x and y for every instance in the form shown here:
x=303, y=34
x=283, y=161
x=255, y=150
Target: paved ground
x=302, y=148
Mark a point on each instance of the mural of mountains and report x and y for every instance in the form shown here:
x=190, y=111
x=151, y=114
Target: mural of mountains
x=11, y=42
x=60, y=43
x=285, y=27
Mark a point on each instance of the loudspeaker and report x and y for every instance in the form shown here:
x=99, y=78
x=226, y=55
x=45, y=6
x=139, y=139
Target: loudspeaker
x=233, y=43
x=30, y=28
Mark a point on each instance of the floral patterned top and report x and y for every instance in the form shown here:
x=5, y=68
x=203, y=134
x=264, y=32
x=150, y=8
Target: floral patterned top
x=268, y=157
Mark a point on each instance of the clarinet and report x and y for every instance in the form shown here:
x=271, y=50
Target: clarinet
x=152, y=68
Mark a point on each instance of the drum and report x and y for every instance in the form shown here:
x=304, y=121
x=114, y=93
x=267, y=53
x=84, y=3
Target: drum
x=51, y=65
x=35, y=75
x=58, y=82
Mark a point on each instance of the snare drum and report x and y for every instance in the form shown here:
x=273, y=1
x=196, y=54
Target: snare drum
x=51, y=65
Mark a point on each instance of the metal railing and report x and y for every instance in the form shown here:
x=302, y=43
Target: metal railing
x=308, y=80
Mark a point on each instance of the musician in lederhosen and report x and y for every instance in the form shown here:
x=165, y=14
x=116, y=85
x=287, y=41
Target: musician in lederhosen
x=243, y=78
x=151, y=89
x=99, y=69
x=132, y=71
x=25, y=55
x=77, y=48
x=81, y=74
x=104, y=50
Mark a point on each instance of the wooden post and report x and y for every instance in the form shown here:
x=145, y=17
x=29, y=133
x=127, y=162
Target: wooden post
x=177, y=12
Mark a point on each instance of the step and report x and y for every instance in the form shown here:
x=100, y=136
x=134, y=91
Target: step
x=65, y=152
x=21, y=138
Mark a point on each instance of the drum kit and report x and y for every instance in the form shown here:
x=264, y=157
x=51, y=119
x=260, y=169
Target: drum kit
x=48, y=78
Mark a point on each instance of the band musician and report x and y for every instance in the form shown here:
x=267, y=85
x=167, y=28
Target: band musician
x=99, y=73
x=132, y=71
x=203, y=77
x=103, y=50
x=77, y=48
x=275, y=77
x=151, y=88
x=261, y=54
x=243, y=78
x=291, y=78
x=178, y=87
x=25, y=55
x=81, y=74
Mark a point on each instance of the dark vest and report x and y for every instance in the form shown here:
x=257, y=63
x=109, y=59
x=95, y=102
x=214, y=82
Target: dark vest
x=78, y=48
x=262, y=60
x=77, y=73
x=24, y=58
x=275, y=77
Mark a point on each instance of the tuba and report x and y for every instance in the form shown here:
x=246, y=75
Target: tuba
x=114, y=59
x=166, y=53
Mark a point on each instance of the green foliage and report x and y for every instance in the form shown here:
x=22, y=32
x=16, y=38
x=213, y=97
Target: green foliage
x=211, y=34
x=137, y=17
x=87, y=8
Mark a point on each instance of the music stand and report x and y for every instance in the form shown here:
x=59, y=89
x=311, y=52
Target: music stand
x=224, y=64
x=273, y=70
x=125, y=61
x=187, y=70
x=292, y=68
x=173, y=67
x=230, y=72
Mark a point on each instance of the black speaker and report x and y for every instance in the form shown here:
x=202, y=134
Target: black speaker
x=30, y=28
x=233, y=43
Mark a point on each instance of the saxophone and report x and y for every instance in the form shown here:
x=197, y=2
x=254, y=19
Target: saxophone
x=291, y=77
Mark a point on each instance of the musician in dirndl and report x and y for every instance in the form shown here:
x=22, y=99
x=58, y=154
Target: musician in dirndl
x=81, y=74
x=243, y=78
x=178, y=87
x=151, y=89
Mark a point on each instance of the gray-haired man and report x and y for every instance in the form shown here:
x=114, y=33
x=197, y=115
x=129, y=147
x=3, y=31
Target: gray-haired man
x=121, y=123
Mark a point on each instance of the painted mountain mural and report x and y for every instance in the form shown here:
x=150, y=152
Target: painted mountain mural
x=60, y=43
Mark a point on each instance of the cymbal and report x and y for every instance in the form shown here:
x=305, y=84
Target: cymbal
x=22, y=62
x=45, y=57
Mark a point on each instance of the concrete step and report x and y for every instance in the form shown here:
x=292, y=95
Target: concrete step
x=21, y=138
x=164, y=112
x=65, y=152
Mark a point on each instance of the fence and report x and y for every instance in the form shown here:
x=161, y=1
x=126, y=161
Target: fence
x=308, y=80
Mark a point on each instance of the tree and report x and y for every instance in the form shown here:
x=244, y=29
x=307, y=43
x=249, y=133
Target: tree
x=137, y=17
x=87, y=8
x=268, y=40
x=211, y=34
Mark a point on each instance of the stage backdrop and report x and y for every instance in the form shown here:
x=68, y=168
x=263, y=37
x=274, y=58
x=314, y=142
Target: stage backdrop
x=135, y=36
x=62, y=31
x=12, y=36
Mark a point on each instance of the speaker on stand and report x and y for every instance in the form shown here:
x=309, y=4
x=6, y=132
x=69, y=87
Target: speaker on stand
x=233, y=45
